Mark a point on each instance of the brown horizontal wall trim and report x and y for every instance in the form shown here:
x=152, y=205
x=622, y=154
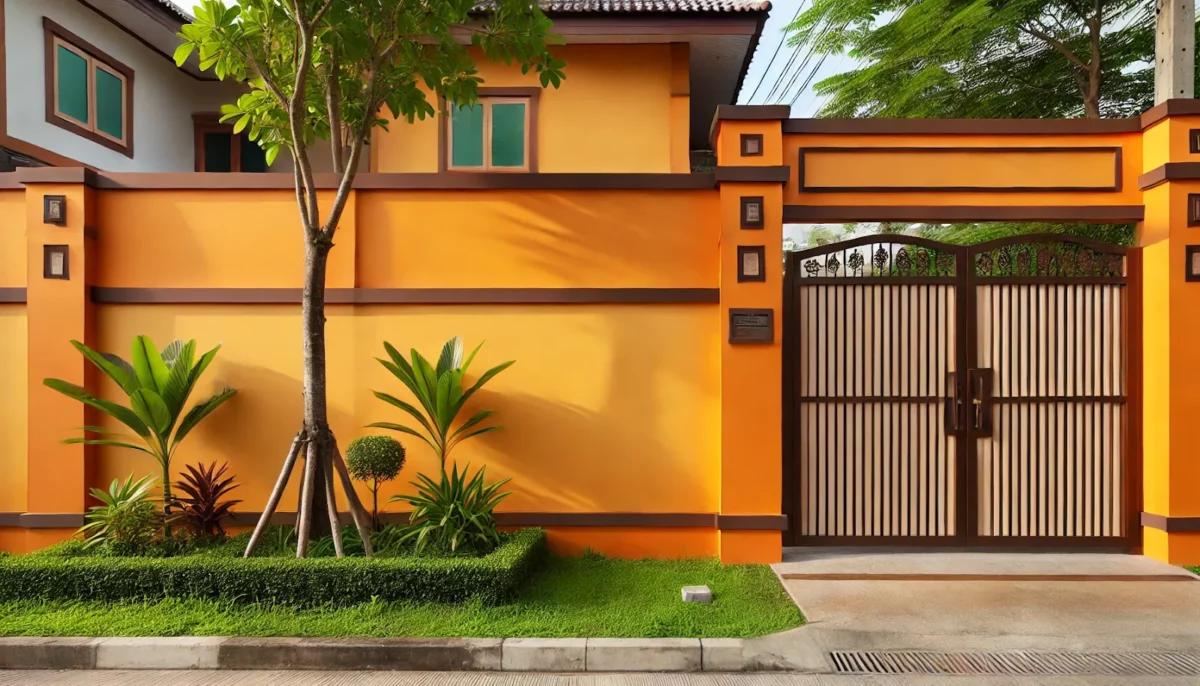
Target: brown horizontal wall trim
x=376, y=181
x=1171, y=108
x=752, y=112
x=64, y=175
x=9, y=182
x=798, y=214
x=408, y=296
x=37, y=520
x=663, y=520
x=743, y=174
x=1171, y=524
x=981, y=127
x=12, y=295
x=1171, y=171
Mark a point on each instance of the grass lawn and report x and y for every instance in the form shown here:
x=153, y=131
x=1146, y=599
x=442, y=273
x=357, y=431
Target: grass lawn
x=569, y=598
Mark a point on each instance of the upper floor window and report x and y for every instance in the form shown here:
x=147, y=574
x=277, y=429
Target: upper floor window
x=88, y=92
x=498, y=133
x=219, y=149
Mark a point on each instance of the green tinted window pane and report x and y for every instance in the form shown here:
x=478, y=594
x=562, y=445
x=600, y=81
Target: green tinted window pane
x=508, y=134
x=254, y=158
x=218, y=155
x=467, y=134
x=72, y=84
x=110, y=101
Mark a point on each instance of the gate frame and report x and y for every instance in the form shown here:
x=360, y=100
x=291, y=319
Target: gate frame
x=965, y=344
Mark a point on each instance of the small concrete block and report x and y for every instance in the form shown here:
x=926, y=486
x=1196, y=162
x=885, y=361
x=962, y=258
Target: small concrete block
x=723, y=655
x=405, y=654
x=544, y=654
x=643, y=655
x=697, y=594
x=187, y=652
x=22, y=652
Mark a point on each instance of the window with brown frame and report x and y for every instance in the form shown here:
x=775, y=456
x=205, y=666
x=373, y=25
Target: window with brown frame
x=497, y=134
x=87, y=91
x=219, y=149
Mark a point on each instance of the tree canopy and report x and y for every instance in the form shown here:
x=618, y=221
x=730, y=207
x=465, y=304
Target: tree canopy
x=984, y=58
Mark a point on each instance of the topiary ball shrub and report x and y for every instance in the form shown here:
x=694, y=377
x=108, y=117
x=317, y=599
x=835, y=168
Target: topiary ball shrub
x=375, y=460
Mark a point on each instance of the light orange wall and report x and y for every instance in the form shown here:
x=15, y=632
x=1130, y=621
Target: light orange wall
x=613, y=113
x=14, y=419
x=609, y=408
x=939, y=169
x=212, y=239
x=537, y=239
x=12, y=238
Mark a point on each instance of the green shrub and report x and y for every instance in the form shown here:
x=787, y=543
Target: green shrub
x=125, y=519
x=375, y=460
x=454, y=514
x=218, y=573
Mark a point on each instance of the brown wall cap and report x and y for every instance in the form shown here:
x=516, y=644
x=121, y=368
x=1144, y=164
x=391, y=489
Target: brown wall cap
x=983, y=127
x=745, y=113
x=1171, y=524
x=962, y=213
x=1171, y=171
x=738, y=174
x=64, y=175
x=9, y=181
x=12, y=295
x=1176, y=107
x=377, y=181
x=10, y=519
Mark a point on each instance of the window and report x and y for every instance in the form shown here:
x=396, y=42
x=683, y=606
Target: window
x=219, y=150
x=88, y=92
x=498, y=133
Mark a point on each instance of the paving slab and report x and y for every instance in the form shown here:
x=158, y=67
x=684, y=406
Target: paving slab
x=187, y=652
x=884, y=561
x=643, y=655
x=544, y=654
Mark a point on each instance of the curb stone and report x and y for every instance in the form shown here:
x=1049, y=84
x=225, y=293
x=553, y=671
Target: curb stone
x=406, y=654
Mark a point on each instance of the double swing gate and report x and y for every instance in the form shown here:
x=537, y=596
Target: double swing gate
x=965, y=395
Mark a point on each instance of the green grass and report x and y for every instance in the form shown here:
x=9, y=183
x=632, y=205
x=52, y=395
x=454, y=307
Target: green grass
x=571, y=597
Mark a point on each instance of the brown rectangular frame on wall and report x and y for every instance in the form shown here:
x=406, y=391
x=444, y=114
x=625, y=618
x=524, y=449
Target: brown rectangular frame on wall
x=52, y=32
x=1115, y=187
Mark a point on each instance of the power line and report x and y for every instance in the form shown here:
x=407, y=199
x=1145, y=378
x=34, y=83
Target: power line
x=782, y=40
x=804, y=63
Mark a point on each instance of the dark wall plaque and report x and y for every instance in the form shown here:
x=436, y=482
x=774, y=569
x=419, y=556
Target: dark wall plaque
x=748, y=325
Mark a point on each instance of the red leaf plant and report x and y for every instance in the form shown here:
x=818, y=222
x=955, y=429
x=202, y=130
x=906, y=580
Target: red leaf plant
x=201, y=508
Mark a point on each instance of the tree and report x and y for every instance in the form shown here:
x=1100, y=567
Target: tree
x=324, y=69
x=984, y=58
x=375, y=460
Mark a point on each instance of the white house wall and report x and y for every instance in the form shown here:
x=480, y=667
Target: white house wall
x=164, y=98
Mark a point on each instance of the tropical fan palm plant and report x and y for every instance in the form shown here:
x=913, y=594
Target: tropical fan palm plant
x=158, y=386
x=440, y=392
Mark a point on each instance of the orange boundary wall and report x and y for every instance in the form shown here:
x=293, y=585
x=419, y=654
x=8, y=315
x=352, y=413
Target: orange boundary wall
x=651, y=258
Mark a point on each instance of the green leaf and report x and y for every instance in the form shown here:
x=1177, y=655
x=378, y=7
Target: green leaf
x=414, y=412
x=241, y=124
x=183, y=52
x=402, y=429
x=117, y=370
x=122, y=414
x=151, y=371
x=115, y=444
x=198, y=413
x=151, y=408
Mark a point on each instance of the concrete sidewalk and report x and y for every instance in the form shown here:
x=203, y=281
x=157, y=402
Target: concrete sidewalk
x=968, y=601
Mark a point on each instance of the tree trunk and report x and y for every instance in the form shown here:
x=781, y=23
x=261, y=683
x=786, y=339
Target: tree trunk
x=316, y=411
x=166, y=490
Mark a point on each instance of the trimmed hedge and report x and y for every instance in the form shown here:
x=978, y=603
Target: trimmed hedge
x=493, y=579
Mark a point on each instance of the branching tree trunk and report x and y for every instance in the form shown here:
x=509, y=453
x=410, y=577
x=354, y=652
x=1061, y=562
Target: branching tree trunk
x=325, y=69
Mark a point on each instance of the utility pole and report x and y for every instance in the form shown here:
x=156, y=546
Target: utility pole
x=1174, y=49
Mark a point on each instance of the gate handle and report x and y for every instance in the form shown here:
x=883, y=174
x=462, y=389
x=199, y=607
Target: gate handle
x=979, y=385
x=952, y=403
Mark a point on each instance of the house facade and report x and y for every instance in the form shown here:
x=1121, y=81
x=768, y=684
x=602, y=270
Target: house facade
x=677, y=391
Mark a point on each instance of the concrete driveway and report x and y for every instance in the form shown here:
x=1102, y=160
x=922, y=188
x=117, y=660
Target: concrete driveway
x=859, y=599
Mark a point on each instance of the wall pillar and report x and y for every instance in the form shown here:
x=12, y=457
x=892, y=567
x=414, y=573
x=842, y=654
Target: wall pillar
x=751, y=372
x=1174, y=49
x=59, y=311
x=1171, y=340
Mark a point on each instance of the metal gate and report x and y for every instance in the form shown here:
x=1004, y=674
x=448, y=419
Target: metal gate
x=962, y=395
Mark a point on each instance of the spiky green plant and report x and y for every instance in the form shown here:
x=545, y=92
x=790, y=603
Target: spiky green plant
x=440, y=392
x=454, y=514
x=125, y=518
x=158, y=386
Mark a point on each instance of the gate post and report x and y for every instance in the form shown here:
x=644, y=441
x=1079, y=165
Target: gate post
x=1170, y=517
x=751, y=174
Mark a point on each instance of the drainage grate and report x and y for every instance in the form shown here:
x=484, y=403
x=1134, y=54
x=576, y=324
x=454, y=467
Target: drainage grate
x=1017, y=663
